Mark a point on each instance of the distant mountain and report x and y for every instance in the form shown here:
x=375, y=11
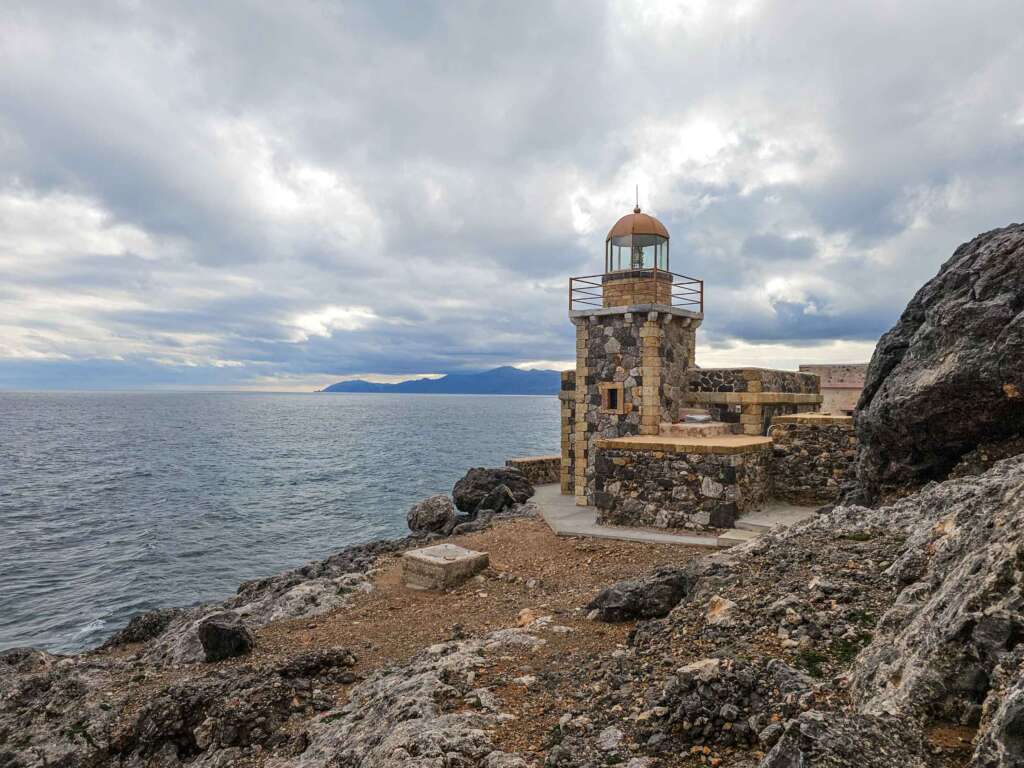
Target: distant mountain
x=500, y=381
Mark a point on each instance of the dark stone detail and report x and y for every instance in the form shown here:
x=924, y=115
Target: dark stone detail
x=224, y=636
x=650, y=597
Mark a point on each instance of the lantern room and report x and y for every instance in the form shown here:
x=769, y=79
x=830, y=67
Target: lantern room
x=637, y=241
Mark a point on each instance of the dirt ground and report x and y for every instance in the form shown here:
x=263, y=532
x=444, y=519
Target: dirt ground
x=530, y=568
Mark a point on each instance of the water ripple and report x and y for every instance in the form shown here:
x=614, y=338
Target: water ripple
x=115, y=503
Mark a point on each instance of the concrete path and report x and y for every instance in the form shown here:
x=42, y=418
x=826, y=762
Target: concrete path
x=566, y=519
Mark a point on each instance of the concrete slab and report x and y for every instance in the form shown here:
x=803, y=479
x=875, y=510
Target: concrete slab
x=565, y=518
x=441, y=566
x=774, y=513
x=722, y=444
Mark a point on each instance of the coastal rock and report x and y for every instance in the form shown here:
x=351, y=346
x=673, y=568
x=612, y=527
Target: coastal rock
x=224, y=636
x=949, y=375
x=431, y=515
x=652, y=596
x=144, y=626
x=474, y=487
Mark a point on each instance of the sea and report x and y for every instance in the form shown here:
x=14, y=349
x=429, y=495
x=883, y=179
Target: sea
x=116, y=503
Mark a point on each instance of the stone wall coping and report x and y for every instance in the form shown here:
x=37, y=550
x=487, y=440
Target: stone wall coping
x=525, y=459
x=753, y=398
x=754, y=368
x=636, y=309
x=821, y=419
x=721, y=444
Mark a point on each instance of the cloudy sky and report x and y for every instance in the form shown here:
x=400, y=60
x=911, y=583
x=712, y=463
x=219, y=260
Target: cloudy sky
x=281, y=195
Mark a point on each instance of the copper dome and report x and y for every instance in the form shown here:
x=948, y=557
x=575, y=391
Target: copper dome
x=637, y=223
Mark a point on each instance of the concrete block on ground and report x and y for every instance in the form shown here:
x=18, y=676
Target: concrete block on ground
x=441, y=566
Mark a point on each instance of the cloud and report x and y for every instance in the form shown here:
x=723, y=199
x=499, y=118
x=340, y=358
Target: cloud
x=263, y=195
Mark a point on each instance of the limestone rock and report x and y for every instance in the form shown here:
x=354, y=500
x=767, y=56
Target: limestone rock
x=950, y=374
x=224, y=636
x=650, y=597
x=960, y=610
x=431, y=515
x=474, y=487
x=817, y=740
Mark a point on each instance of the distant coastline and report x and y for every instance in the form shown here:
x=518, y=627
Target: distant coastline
x=499, y=381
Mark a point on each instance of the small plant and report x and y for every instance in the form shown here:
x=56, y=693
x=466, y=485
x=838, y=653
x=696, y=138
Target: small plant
x=857, y=536
x=845, y=650
x=864, y=618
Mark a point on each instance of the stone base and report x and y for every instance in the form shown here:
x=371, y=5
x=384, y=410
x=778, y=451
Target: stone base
x=675, y=482
x=441, y=566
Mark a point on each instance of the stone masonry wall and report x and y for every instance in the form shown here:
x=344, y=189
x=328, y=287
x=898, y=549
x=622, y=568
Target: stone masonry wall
x=811, y=458
x=567, y=401
x=679, y=490
x=648, y=354
x=739, y=380
x=539, y=470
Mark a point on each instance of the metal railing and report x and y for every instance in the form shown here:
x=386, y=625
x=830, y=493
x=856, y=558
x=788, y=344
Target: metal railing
x=686, y=292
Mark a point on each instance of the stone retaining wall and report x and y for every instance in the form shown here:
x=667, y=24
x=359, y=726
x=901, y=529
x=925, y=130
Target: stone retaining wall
x=812, y=456
x=539, y=470
x=667, y=489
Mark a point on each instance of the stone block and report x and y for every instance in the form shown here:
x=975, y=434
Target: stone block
x=441, y=566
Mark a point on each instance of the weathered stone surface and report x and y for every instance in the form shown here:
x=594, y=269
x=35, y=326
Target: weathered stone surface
x=950, y=374
x=474, y=487
x=819, y=740
x=649, y=597
x=960, y=610
x=441, y=566
x=223, y=636
x=431, y=515
x=421, y=715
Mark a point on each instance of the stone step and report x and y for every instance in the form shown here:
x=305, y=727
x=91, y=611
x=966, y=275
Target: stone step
x=705, y=429
x=684, y=412
x=733, y=536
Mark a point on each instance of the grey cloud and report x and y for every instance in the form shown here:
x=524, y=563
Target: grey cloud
x=424, y=161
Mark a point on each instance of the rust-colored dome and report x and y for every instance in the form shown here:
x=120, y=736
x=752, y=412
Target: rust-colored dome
x=637, y=223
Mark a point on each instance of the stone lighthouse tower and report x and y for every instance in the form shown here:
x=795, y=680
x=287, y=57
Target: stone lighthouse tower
x=635, y=331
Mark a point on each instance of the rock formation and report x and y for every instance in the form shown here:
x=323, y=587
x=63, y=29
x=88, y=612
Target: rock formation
x=475, y=486
x=950, y=375
x=431, y=515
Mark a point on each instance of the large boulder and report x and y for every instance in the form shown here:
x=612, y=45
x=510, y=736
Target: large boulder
x=950, y=375
x=431, y=515
x=651, y=596
x=479, y=482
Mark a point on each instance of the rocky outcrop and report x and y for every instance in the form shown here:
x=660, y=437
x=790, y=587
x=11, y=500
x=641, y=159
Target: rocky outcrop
x=845, y=638
x=950, y=375
x=421, y=715
x=479, y=482
x=431, y=515
x=960, y=611
x=817, y=739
